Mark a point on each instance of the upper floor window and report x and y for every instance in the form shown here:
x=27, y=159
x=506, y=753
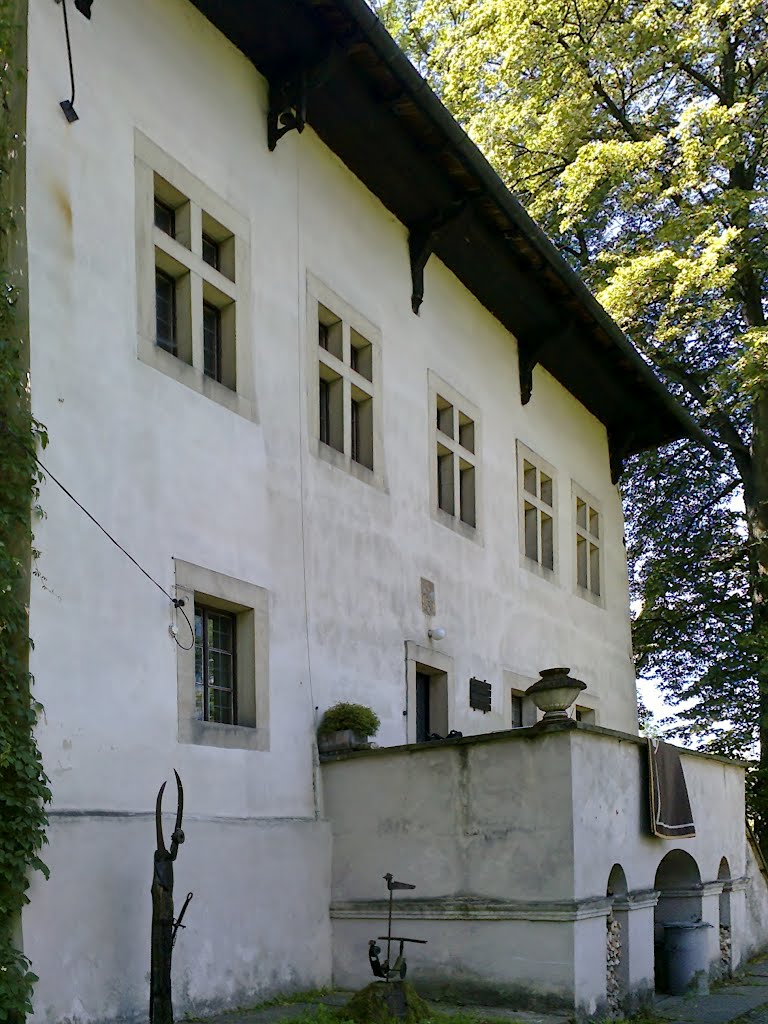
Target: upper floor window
x=185, y=282
x=193, y=278
x=588, y=541
x=455, y=450
x=344, y=352
x=537, y=511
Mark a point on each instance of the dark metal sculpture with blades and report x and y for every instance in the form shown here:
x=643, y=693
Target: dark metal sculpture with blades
x=164, y=928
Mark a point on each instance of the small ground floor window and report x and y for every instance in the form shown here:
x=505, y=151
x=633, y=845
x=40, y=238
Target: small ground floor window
x=215, y=652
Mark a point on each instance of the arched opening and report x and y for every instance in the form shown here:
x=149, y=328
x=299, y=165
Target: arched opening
x=678, y=951
x=724, y=876
x=616, y=950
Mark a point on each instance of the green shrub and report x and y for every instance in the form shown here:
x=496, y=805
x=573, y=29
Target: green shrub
x=343, y=715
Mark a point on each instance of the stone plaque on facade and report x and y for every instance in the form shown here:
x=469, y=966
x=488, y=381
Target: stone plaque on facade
x=428, y=605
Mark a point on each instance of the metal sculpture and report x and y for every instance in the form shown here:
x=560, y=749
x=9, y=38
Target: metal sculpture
x=388, y=971
x=164, y=928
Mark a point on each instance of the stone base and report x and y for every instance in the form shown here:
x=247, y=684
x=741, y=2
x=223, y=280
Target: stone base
x=383, y=1002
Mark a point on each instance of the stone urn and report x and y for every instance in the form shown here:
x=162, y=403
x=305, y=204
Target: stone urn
x=554, y=693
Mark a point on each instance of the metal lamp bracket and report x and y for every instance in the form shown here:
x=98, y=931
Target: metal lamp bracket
x=68, y=106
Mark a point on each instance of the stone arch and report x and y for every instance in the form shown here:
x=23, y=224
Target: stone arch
x=678, y=882
x=677, y=870
x=617, y=881
x=726, y=944
x=617, y=938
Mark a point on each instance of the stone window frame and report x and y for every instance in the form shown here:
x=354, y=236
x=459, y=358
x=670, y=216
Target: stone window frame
x=526, y=454
x=440, y=389
x=580, y=494
x=350, y=319
x=203, y=282
x=250, y=604
x=417, y=654
x=585, y=714
x=516, y=684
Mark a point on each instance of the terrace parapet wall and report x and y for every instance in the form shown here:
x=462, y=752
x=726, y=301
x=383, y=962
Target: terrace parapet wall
x=511, y=840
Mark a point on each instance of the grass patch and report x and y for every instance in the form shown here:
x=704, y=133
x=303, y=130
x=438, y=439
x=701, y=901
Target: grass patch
x=644, y=1016
x=291, y=998
x=320, y=1013
x=282, y=999
x=336, y=1015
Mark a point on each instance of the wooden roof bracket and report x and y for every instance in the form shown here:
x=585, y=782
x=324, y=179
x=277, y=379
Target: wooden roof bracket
x=620, y=447
x=287, y=107
x=527, y=358
x=288, y=95
x=421, y=244
x=529, y=355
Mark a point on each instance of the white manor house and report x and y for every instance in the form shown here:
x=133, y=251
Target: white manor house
x=303, y=355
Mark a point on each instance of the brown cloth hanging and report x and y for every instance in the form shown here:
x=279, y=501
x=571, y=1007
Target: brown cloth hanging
x=671, y=816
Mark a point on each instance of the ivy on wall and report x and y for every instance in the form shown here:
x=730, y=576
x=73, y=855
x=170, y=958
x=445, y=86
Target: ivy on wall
x=23, y=784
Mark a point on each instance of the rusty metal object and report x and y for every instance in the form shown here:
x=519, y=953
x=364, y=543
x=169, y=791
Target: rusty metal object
x=164, y=927
x=388, y=971
x=177, y=923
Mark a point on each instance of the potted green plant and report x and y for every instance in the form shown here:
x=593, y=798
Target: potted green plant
x=346, y=726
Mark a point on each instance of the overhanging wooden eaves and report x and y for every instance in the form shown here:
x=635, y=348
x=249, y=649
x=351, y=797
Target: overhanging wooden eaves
x=331, y=64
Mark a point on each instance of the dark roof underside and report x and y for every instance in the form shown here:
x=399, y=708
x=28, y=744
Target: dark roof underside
x=370, y=106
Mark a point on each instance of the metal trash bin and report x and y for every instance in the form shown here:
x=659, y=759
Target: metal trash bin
x=685, y=955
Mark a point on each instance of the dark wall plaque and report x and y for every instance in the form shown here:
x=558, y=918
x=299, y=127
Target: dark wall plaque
x=480, y=695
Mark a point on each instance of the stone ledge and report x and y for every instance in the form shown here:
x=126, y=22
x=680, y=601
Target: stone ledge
x=531, y=734
x=472, y=908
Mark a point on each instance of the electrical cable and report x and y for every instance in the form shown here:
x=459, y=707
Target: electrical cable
x=177, y=603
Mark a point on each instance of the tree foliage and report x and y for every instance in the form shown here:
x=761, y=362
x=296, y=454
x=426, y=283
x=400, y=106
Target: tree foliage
x=23, y=785
x=635, y=132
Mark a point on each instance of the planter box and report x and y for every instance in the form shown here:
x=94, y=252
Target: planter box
x=342, y=739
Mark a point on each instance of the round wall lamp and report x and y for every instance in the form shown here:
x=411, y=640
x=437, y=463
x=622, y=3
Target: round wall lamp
x=436, y=633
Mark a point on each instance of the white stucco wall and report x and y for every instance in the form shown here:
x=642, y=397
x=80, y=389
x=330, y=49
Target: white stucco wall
x=368, y=548
x=755, y=913
x=257, y=924
x=174, y=475
x=610, y=808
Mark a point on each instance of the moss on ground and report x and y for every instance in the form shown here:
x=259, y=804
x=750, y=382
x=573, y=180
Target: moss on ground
x=375, y=1004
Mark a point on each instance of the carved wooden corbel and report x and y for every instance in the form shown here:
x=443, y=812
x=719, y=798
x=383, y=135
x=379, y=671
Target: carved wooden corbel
x=421, y=243
x=530, y=353
x=288, y=94
x=621, y=446
x=287, y=108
